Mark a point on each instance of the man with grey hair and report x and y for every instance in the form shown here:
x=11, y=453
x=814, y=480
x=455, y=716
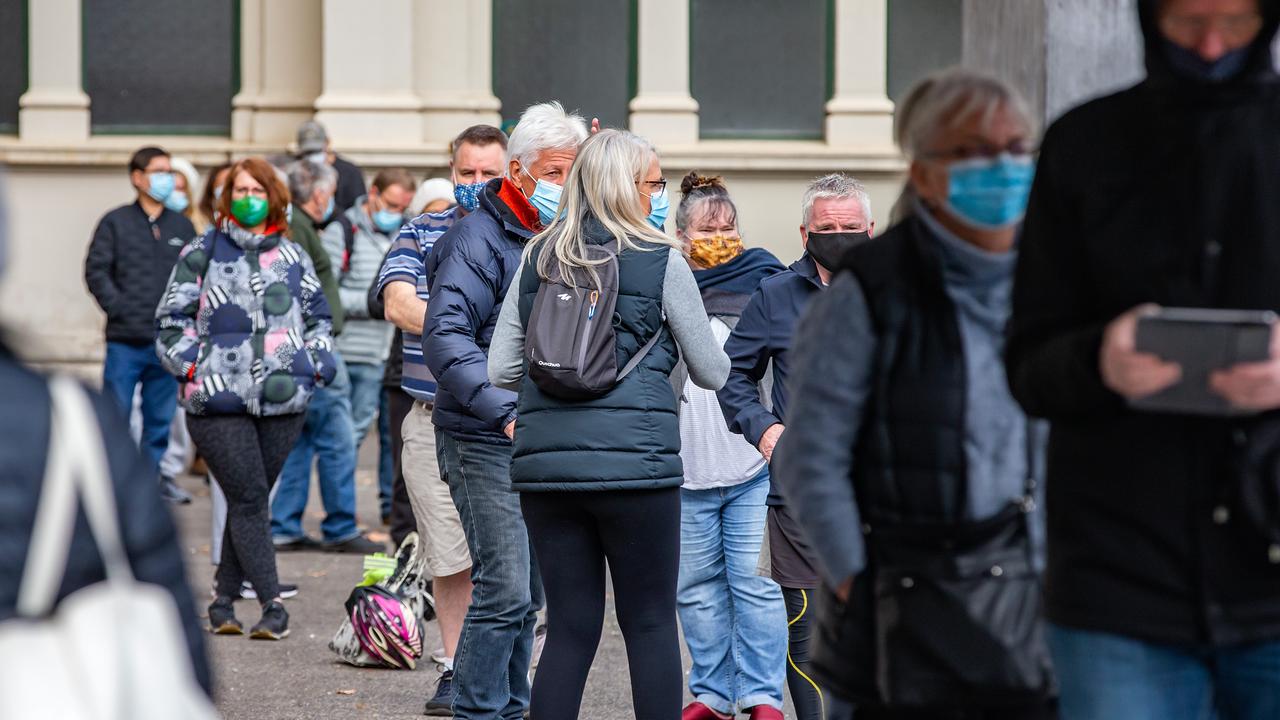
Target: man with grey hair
x=470, y=269
x=837, y=216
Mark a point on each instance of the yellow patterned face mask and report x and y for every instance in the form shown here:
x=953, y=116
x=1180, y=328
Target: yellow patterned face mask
x=709, y=252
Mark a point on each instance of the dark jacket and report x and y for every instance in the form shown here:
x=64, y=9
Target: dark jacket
x=629, y=439
x=351, y=186
x=1162, y=193
x=128, y=265
x=302, y=230
x=150, y=539
x=470, y=269
x=764, y=334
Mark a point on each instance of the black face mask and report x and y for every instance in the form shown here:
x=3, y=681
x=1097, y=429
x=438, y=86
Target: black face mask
x=1189, y=64
x=829, y=248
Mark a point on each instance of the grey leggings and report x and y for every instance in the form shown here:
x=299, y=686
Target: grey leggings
x=246, y=454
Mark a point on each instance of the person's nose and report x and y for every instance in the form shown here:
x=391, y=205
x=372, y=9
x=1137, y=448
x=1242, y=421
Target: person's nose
x=1212, y=45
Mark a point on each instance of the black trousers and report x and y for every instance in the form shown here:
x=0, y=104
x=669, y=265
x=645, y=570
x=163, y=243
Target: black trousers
x=245, y=455
x=806, y=695
x=402, y=520
x=637, y=532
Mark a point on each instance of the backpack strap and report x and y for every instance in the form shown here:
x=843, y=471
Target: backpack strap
x=348, y=241
x=644, y=350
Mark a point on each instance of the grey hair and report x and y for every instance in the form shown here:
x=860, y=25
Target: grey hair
x=542, y=127
x=838, y=186
x=305, y=177
x=938, y=102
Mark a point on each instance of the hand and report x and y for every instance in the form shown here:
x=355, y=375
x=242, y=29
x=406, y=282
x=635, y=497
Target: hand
x=595, y=125
x=1130, y=373
x=845, y=588
x=510, y=430
x=769, y=440
x=1251, y=386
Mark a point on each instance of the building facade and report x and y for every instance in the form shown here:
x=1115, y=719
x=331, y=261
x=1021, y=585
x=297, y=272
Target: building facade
x=767, y=93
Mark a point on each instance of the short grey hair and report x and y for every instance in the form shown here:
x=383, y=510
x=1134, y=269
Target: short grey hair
x=835, y=186
x=305, y=177
x=542, y=127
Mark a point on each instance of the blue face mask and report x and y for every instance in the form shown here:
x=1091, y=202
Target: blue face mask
x=468, y=196
x=328, y=210
x=159, y=185
x=1189, y=64
x=659, y=205
x=177, y=201
x=990, y=194
x=546, y=198
x=387, y=221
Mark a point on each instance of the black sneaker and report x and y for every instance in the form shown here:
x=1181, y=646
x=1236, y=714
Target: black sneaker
x=306, y=542
x=274, y=624
x=441, y=704
x=170, y=491
x=222, y=618
x=287, y=590
x=359, y=545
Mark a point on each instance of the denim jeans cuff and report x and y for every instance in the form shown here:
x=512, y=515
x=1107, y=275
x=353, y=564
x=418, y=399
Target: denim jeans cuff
x=751, y=701
x=717, y=703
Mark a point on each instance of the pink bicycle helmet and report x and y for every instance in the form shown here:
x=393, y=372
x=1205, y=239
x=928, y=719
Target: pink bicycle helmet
x=386, y=627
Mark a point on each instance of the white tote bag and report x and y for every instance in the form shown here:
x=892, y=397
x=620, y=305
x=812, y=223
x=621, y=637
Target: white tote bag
x=112, y=650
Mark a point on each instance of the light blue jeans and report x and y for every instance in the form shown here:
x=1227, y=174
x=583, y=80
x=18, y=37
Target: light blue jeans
x=1104, y=676
x=735, y=621
x=366, y=396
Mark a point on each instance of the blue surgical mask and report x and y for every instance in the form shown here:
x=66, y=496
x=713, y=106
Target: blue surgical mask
x=328, y=209
x=659, y=205
x=1189, y=64
x=387, y=221
x=546, y=198
x=177, y=201
x=468, y=196
x=990, y=193
x=159, y=185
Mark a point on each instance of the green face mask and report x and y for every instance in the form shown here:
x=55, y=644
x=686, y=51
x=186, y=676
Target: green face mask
x=249, y=210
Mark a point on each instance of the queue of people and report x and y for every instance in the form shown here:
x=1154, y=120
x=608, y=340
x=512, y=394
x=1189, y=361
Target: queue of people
x=908, y=475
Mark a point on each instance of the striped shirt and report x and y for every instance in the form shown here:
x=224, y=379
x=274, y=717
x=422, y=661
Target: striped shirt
x=407, y=262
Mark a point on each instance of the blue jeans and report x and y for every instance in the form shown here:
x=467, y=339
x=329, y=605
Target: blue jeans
x=366, y=392
x=326, y=436
x=124, y=368
x=492, y=664
x=1105, y=676
x=735, y=622
x=386, y=463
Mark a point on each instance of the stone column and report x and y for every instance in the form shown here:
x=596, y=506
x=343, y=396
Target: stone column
x=860, y=113
x=55, y=107
x=1058, y=53
x=453, y=72
x=280, y=65
x=369, y=97
x=663, y=110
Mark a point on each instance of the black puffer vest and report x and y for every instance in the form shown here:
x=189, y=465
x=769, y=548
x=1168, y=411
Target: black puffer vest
x=628, y=439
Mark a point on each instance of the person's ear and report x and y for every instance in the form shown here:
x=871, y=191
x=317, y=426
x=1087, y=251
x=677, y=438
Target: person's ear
x=804, y=236
x=928, y=180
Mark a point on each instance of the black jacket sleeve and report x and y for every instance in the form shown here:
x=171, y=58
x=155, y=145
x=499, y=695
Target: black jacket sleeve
x=749, y=353
x=99, y=265
x=1054, y=335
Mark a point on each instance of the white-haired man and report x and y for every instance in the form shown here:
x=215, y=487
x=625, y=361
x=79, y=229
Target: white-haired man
x=470, y=269
x=837, y=215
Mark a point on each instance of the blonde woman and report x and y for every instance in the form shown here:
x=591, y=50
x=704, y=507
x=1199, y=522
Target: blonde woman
x=600, y=479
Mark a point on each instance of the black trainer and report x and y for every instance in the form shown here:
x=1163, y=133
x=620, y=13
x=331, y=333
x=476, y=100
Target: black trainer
x=441, y=704
x=222, y=618
x=274, y=624
x=306, y=542
x=360, y=545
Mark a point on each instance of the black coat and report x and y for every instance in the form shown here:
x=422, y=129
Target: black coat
x=1167, y=193
x=128, y=266
x=150, y=539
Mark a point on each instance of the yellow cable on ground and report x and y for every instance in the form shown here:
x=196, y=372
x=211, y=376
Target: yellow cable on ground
x=822, y=703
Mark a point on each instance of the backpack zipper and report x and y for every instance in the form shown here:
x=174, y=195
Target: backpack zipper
x=586, y=330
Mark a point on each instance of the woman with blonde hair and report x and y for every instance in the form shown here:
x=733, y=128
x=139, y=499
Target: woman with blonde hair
x=600, y=474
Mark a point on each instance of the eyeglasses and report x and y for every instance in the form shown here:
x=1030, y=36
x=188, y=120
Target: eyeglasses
x=1189, y=30
x=985, y=151
x=655, y=186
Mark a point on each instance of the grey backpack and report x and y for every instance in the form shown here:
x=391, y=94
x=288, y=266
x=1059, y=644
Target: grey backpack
x=569, y=342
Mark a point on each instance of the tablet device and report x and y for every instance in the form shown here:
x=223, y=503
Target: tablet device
x=1202, y=341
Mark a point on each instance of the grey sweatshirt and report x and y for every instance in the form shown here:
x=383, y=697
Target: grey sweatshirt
x=681, y=305
x=835, y=375
x=363, y=339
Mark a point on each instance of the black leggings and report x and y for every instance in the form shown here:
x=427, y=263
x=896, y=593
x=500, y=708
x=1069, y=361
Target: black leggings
x=402, y=520
x=805, y=693
x=245, y=455
x=638, y=533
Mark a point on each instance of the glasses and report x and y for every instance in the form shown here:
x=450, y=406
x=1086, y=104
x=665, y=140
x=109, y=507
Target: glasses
x=986, y=151
x=655, y=186
x=1190, y=30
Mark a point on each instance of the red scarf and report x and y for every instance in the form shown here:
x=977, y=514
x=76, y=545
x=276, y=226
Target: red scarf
x=513, y=197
